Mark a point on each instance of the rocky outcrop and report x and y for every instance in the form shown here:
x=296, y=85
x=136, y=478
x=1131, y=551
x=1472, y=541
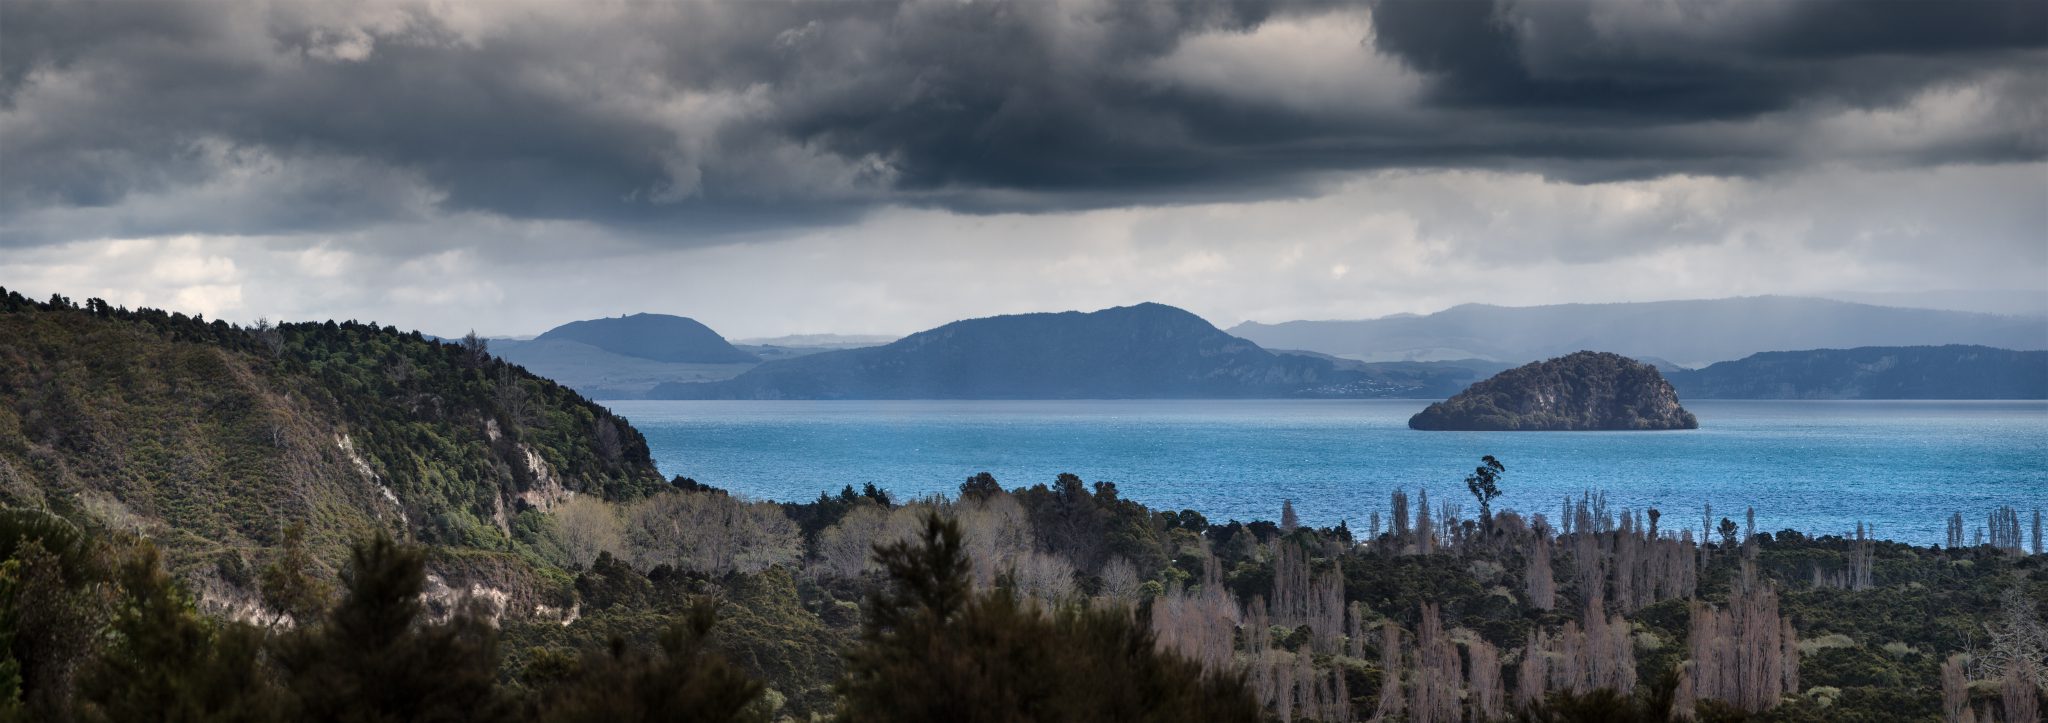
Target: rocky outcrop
x=1582, y=391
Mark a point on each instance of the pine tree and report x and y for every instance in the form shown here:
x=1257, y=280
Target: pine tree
x=53, y=604
x=680, y=681
x=164, y=662
x=291, y=584
x=373, y=658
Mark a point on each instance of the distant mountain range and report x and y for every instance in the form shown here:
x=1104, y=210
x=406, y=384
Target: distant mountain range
x=1689, y=333
x=1142, y=351
x=1156, y=351
x=1919, y=372
x=820, y=341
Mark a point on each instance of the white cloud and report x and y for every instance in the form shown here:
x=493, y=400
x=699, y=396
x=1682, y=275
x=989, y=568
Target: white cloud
x=1317, y=64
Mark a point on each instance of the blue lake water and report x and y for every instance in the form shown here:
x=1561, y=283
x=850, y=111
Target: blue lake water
x=1814, y=466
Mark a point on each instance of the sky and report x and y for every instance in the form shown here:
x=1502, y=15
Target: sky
x=882, y=167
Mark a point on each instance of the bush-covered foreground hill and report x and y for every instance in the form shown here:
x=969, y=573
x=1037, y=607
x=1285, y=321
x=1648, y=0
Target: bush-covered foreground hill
x=648, y=601
x=212, y=438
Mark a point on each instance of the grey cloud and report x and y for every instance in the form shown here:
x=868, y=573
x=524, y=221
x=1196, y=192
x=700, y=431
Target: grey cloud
x=1632, y=61
x=678, y=122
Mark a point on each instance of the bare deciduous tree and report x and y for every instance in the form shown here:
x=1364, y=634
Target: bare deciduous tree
x=1436, y=688
x=847, y=549
x=1120, y=581
x=1201, y=626
x=1955, y=690
x=1042, y=577
x=2021, y=697
x=995, y=530
x=1746, y=655
x=710, y=533
x=1541, y=583
x=588, y=526
x=1484, y=680
x=1392, y=702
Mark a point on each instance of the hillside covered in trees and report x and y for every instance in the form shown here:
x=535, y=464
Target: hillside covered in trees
x=1069, y=600
x=1875, y=372
x=211, y=438
x=154, y=464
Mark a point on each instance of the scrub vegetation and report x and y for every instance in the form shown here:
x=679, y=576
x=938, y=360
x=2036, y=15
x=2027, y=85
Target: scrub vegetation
x=345, y=522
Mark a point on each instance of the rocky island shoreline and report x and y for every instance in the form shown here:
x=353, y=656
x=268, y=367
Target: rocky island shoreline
x=1577, y=392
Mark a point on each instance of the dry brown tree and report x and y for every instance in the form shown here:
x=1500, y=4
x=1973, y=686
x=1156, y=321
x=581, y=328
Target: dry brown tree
x=1483, y=680
x=1746, y=655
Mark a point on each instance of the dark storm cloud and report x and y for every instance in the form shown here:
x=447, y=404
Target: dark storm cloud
x=1635, y=62
x=678, y=121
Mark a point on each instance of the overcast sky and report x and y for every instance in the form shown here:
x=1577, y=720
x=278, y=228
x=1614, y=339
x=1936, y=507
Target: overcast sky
x=882, y=167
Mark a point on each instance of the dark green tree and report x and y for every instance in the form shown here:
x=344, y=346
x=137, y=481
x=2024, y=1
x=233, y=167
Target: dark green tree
x=931, y=650
x=1484, y=485
x=375, y=659
x=610, y=582
x=292, y=584
x=681, y=681
x=161, y=661
x=52, y=605
x=981, y=486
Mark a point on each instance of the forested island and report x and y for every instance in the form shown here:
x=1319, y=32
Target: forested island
x=475, y=543
x=1576, y=392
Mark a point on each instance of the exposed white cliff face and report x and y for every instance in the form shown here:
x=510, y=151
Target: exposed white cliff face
x=348, y=448
x=219, y=599
x=561, y=616
x=442, y=600
x=548, y=490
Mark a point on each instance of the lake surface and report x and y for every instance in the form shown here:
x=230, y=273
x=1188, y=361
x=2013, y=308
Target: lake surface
x=1814, y=466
